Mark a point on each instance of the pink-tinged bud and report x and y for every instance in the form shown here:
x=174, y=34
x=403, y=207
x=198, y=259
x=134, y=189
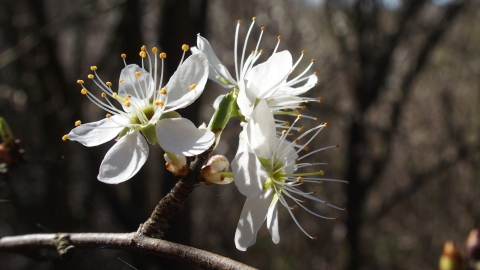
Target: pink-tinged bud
x=215, y=171
x=473, y=245
x=176, y=164
x=451, y=258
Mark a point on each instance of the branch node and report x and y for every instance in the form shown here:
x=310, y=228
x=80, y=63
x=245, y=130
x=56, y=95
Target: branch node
x=64, y=246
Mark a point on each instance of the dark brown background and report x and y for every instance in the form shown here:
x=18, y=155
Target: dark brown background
x=400, y=87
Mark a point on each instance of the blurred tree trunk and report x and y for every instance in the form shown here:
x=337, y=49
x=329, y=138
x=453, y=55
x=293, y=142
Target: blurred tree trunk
x=368, y=66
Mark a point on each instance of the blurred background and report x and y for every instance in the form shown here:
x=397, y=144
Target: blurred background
x=400, y=85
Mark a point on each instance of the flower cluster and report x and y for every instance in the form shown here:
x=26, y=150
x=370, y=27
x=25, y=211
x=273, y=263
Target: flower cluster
x=266, y=168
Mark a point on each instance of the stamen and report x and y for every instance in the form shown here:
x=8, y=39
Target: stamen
x=109, y=84
x=163, y=55
x=104, y=95
x=158, y=102
x=80, y=82
x=64, y=137
x=90, y=76
x=108, y=115
x=142, y=54
x=126, y=102
x=137, y=74
x=84, y=91
x=93, y=68
x=154, y=50
x=143, y=48
x=192, y=86
x=123, y=55
x=163, y=91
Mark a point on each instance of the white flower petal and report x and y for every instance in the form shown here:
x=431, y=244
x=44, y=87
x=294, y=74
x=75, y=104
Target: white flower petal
x=271, y=74
x=194, y=70
x=253, y=214
x=248, y=172
x=180, y=136
x=272, y=220
x=124, y=159
x=216, y=67
x=246, y=99
x=260, y=131
x=96, y=133
x=140, y=87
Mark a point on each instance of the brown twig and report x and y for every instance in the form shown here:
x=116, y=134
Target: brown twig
x=48, y=246
x=156, y=225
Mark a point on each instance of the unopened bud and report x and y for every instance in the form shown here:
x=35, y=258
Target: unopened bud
x=473, y=245
x=176, y=164
x=215, y=170
x=451, y=258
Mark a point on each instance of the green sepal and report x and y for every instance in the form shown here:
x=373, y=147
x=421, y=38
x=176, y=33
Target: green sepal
x=150, y=133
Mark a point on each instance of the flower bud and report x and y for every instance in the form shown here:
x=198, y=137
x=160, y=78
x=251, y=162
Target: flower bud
x=451, y=258
x=473, y=245
x=177, y=164
x=212, y=172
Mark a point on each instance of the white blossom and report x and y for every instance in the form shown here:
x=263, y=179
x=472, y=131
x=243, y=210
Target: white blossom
x=147, y=114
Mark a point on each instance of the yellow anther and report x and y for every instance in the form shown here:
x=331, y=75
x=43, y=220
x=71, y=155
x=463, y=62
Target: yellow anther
x=129, y=96
x=315, y=118
x=315, y=73
x=254, y=18
x=84, y=91
x=142, y=54
x=109, y=84
x=314, y=238
x=296, y=160
x=64, y=137
x=299, y=179
x=284, y=132
x=303, y=51
x=126, y=102
x=325, y=124
x=306, y=148
x=80, y=82
x=260, y=52
x=123, y=55
x=287, y=123
x=90, y=76
x=163, y=91
x=321, y=172
x=78, y=123
x=314, y=191
x=163, y=55
x=192, y=86
x=337, y=145
x=263, y=28
x=239, y=21
x=295, y=207
x=108, y=115
x=154, y=50
x=143, y=48
x=297, y=141
x=279, y=37
x=185, y=47
x=304, y=108
x=336, y=218
x=115, y=95
x=104, y=95
x=93, y=68
x=137, y=74
x=300, y=116
x=313, y=60
x=121, y=80
x=307, y=101
x=321, y=182
x=158, y=102
x=319, y=99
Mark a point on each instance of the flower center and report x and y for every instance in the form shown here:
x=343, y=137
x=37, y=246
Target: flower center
x=148, y=111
